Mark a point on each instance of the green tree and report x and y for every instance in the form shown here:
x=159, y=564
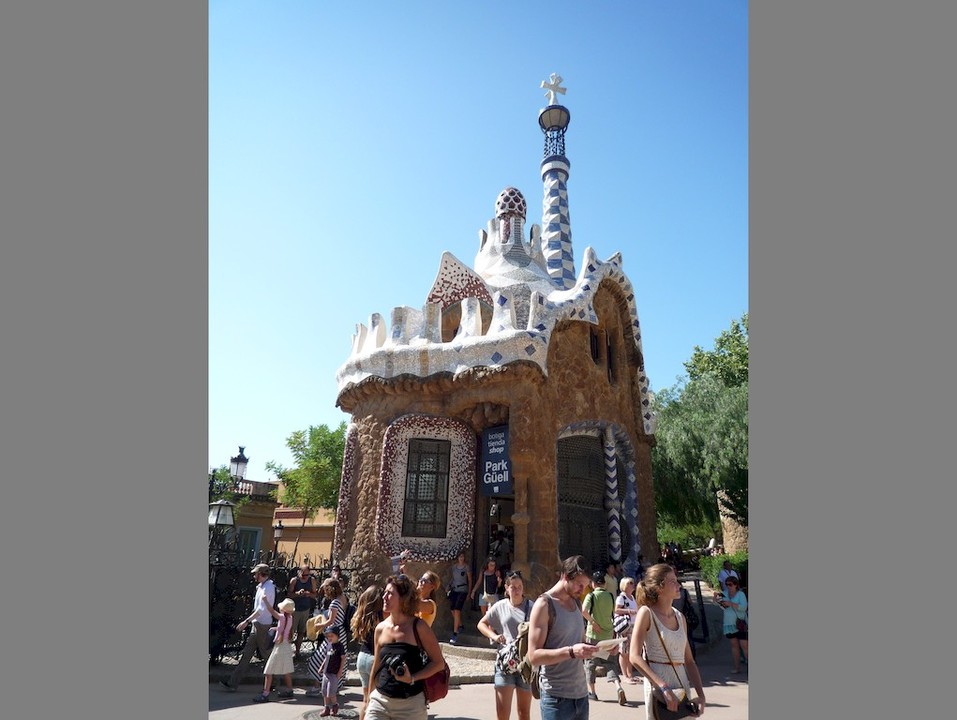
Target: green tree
x=700, y=461
x=728, y=361
x=314, y=481
x=222, y=486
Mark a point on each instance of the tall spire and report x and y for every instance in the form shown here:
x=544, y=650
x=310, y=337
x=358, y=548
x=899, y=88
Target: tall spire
x=556, y=227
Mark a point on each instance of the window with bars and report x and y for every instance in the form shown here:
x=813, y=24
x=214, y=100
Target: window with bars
x=427, y=489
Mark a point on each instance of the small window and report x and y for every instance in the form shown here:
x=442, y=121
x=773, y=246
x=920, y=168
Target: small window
x=610, y=357
x=595, y=347
x=427, y=489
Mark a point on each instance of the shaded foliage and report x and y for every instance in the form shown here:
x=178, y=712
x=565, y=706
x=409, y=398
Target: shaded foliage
x=711, y=566
x=701, y=456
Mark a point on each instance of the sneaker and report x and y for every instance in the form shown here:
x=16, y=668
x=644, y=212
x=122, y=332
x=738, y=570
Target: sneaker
x=325, y=711
x=453, y=639
x=592, y=696
x=261, y=698
x=314, y=692
x=225, y=684
x=621, y=697
x=284, y=692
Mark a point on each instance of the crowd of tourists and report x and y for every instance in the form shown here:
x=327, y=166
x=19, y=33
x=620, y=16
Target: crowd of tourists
x=637, y=629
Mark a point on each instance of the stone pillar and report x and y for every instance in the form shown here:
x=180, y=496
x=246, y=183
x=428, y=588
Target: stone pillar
x=525, y=453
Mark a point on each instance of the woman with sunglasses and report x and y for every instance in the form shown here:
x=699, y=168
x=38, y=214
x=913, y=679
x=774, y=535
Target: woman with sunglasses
x=735, y=608
x=659, y=643
x=428, y=584
x=500, y=625
x=396, y=685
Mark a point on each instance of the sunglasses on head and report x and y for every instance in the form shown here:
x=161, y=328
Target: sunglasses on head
x=515, y=574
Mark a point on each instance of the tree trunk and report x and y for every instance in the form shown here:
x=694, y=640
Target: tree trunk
x=295, y=547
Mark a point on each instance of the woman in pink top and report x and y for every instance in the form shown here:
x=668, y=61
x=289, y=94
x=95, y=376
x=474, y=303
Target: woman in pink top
x=280, y=660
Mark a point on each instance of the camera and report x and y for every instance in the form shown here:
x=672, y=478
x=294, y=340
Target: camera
x=395, y=664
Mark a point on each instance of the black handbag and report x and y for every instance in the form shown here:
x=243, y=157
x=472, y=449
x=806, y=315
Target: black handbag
x=685, y=709
x=659, y=708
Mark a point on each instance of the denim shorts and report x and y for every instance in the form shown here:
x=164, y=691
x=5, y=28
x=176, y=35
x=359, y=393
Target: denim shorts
x=364, y=667
x=510, y=680
x=556, y=708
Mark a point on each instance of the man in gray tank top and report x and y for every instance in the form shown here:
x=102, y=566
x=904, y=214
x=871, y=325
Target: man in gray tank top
x=556, y=643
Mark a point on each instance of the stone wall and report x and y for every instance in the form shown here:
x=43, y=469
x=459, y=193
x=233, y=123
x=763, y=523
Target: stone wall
x=735, y=535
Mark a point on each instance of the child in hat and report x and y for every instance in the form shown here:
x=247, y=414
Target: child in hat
x=280, y=660
x=332, y=669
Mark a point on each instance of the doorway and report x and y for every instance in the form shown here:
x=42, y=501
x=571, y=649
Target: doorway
x=582, y=519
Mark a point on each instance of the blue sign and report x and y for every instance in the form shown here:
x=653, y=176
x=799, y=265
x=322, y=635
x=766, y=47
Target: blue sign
x=495, y=476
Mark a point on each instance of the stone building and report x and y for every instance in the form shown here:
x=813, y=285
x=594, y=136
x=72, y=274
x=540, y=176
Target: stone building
x=515, y=399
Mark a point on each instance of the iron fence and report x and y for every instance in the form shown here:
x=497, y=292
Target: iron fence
x=232, y=588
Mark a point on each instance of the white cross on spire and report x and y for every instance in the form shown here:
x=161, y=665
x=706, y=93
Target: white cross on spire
x=553, y=87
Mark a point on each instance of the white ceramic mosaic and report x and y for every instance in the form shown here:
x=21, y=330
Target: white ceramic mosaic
x=511, y=274
x=392, y=478
x=346, y=484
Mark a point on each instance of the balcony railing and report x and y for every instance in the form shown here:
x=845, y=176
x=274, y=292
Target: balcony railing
x=254, y=490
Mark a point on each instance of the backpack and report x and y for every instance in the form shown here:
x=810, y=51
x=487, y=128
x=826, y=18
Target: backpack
x=510, y=656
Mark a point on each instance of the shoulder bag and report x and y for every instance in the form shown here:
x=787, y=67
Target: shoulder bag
x=618, y=621
x=436, y=685
x=659, y=708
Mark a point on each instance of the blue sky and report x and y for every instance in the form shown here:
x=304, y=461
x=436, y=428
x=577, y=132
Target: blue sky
x=350, y=144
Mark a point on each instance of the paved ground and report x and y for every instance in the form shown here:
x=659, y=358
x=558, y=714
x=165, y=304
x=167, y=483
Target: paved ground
x=727, y=697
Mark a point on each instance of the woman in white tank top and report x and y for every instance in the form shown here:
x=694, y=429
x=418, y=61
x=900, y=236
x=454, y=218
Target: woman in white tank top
x=659, y=635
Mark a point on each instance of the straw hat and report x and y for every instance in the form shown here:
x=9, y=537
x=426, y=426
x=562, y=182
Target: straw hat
x=287, y=605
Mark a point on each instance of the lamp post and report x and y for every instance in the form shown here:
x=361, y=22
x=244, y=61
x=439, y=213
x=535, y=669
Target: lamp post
x=237, y=465
x=276, y=535
x=220, y=516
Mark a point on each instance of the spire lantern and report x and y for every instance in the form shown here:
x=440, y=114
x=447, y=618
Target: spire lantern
x=556, y=235
x=554, y=119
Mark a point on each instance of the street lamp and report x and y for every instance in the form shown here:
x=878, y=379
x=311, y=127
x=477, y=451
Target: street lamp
x=237, y=465
x=276, y=535
x=220, y=516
